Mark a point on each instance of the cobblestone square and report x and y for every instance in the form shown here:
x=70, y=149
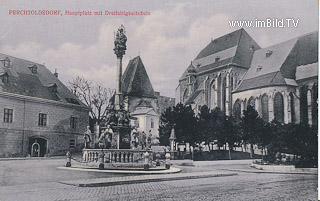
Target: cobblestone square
x=39, y=180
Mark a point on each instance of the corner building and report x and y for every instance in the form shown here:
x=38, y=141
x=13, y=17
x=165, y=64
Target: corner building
x=39, y=116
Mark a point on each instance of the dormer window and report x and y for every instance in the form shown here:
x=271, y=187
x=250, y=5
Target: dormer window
x=198, y=65
x=34, y=69
x=6, y=62
x=4, y=78
x=252, y=47
x=53, y=88
x=259, y=68
x=268, y=53
x=216, y=59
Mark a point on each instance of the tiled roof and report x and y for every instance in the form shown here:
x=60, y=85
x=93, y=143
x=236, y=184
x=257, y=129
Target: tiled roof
x=22, y=81
x=270, y=79
x=307, y=71
x=280, y=60
x=135, y=80
x=272, y=63
x=220, y=44
x=235, y=48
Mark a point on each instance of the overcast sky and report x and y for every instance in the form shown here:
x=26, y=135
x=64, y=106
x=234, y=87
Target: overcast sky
x=167, y=40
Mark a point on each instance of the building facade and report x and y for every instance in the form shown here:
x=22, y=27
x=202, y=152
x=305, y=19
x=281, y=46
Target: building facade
x=233, y=71
x=39, y=116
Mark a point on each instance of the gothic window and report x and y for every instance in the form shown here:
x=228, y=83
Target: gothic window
x=292, y=108
x=223, y=98
x=251, y=102
x=185, y=95
x=219, y=92
x=212, y=94
x=303, y=104
x=315, y=104
x=278, y=108
x=265, y=107
x=237, y=109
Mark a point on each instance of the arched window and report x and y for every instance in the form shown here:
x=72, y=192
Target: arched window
x=185, y=95
x=265, y=107
x=219, y=92
x=315, y=104
x=303, y=104
x=293, y=114
x=212, y=95
x=237, y=109
x=278, y=108
x=223, y=97
x=251, y=102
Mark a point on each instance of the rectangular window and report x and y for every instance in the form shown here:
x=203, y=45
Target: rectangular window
x=8, y=114
x=42, y=119
x=72, y=143
x=152, y=123
x=74, y=122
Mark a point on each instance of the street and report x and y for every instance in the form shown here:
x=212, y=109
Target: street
x=38, y=180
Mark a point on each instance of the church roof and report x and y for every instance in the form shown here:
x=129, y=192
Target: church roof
x=276, y=64
x=36, y=84
x=307, y=71
x=234, y=48
x=135, y=80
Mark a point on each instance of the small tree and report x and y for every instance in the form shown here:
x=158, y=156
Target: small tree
x=96, y=96
x=230, y=133
x=205, y=126
x=184, y=122
x=251, y=126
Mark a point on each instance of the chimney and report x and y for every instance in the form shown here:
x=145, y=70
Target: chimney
x=55, y=73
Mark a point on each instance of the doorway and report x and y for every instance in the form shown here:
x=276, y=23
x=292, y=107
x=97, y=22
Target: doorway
x=37, y=147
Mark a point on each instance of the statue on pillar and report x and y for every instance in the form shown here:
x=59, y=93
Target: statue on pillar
x=87, y=138
x=120, y=42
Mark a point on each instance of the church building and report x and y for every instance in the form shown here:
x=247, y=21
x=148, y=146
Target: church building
x=233, y=71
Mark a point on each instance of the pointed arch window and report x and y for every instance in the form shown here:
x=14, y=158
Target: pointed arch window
x=251, y=102
x=265, y=107
x=237, y=109
x=278, y=108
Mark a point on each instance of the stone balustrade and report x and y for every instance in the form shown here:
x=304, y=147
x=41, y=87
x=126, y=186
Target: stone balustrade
x=116, y=155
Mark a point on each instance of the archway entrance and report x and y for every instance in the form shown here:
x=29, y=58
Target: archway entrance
x=37, y=147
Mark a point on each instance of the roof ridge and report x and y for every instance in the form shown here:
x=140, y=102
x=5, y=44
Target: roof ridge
x=21, y=59
x=241, y=30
